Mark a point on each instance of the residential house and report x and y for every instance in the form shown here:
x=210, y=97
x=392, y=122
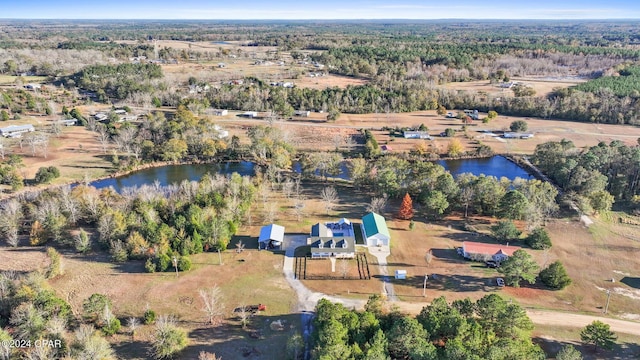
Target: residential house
x=375, y=231
x=220, y=112
x=16, y=130
x=271, y=236
x=483, y=252
x=333, y=239
x=416, y=135
x=302, y=113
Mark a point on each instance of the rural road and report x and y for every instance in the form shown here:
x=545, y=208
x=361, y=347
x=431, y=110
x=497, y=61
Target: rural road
x=308, y=299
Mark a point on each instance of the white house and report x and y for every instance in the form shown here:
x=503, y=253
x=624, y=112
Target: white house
x=302, y=113
x=16, y=130
x=416, y=135
x=249, y=114
x=337, y=247
x=271, y=236
x=220, y=112
x=375, y=231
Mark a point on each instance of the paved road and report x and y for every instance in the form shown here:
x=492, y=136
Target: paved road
x=308, y=299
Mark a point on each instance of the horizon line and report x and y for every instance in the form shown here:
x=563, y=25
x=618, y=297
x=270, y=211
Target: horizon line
x=324, y=19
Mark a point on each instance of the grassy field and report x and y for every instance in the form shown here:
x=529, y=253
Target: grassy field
x=553, y=338
x=542, y=87
x=248, y=278
x=10, y=79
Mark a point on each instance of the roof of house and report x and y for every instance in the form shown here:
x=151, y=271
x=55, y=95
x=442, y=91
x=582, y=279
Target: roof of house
x=16, y=128
x=326, y=244
x=271, y=232
x=375, y=224
x=471, y=247
x=344, y=221
x=321, y=230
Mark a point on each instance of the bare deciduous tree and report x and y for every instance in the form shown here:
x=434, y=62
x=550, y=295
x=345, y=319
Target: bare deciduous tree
x=329, y=197
x=244, y=313
x=10, y=217
x=208, y=356
x=378, y=204
x=103, y=137
x=213, y=305
x=132, y=324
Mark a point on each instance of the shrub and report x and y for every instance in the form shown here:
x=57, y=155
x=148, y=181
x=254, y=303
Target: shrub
x=111, y=327
x=184, y=264
x=82, y=243
x=150, y=266
x=538, y=239
x=149, y=317
x=555, y=276
x=163, y=262
x=55, y=267
x=46, y=174
x=505, y=231
x=519, y=126
x=95, y=304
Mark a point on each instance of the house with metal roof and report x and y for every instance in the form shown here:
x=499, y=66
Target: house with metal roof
x=16, y=130
x=271, y=236
x=375, y=231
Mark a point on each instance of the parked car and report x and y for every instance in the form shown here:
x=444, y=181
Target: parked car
x=492, y=264
x=500, y=282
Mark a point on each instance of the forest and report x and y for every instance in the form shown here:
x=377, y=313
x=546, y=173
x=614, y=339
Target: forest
x=490, y=328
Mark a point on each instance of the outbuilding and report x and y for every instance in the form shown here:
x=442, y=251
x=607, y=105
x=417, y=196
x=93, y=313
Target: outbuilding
x=271, y=236
x=375, y=230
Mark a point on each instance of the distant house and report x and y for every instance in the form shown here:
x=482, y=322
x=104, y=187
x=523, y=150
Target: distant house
x=222, y=65
x=221, y=132
x=33, y=87
x=472, y=114
x=16, y=130
x=220, y=112
x=271, y=236
x=417, y=135
x=333, y=239
x=249, y=114
x=302, y=113
x=68, y=122
x=482, y=251
x=375, y=231
x=514, y=135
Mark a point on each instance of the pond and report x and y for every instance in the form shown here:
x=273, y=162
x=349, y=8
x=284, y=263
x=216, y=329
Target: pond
x=497, y=166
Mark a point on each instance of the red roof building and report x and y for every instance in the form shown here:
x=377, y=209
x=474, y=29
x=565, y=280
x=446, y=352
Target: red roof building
x=481, y=251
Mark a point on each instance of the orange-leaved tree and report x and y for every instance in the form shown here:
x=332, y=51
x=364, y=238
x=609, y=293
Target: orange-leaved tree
x=406, y=209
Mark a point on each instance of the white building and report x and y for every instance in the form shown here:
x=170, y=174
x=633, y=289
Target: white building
x=375, y=231
x=271, y=236
x=16, y=130
x=417, y=135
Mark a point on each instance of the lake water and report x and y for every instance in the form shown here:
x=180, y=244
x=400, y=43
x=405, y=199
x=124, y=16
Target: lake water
x=496, y=166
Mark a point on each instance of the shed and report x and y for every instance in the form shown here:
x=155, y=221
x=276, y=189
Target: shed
x=375, y=230
x=401, y=274
x=271, y=236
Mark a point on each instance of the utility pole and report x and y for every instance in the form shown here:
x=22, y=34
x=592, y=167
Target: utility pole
x=424, y=287
x=175, y=264
x=606, y=307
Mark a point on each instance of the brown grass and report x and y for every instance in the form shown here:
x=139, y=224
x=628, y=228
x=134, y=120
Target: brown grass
x=541, y=86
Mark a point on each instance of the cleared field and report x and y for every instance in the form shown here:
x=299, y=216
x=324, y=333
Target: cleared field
x=10, y=79
x=248, y=278
x=327, y=81
x=541, y=86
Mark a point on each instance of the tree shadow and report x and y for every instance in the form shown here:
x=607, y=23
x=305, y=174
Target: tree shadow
x=620, y=350
x=456, y=283
x=633, y=282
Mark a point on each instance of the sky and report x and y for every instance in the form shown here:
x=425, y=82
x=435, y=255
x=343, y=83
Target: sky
x=323, y=9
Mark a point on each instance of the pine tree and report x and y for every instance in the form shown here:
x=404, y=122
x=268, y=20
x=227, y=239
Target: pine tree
x=406, y=209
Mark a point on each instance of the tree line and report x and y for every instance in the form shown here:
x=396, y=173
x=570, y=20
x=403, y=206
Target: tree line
x=594, y=177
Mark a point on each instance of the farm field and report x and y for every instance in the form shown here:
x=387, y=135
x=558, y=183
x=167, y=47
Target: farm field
x=542, y=87
x=132, y=290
